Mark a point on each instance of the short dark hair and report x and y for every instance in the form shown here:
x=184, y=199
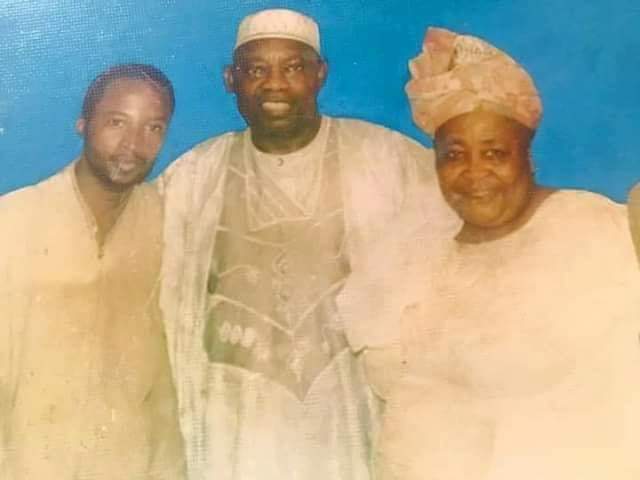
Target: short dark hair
x=134, y=71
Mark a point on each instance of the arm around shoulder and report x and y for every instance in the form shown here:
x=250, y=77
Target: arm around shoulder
x=196, y=164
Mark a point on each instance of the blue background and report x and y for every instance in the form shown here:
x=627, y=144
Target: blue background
x=584, y=56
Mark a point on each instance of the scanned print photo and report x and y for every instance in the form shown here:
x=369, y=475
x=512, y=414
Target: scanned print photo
x=319, y=240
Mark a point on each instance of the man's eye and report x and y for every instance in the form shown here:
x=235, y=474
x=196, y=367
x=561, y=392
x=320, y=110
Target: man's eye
x=295, y=67
x=256, y=72
x=454, y=155
x=157, y=128
x=495, y=154
x=115, y=122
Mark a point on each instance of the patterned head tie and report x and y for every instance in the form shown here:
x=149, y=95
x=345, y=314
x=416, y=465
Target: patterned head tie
x=456, y=74
x=279, y=23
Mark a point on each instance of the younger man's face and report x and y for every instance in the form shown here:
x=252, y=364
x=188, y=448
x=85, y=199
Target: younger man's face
x=125, y=132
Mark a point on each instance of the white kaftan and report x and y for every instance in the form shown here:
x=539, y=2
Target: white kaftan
x=257, y=247
x=85, y=382
x=517, y=358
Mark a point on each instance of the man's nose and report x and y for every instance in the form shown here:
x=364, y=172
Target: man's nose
x=133, y=139
x=275, y=79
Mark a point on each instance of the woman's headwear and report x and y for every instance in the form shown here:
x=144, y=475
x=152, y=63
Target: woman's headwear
x=455, y=74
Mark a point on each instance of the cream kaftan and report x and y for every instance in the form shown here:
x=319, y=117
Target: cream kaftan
x=267, y=386
x=515, y=358
x=85, y=385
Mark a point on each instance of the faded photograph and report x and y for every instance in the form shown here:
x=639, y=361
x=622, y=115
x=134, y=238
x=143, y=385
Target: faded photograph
x=319, y=241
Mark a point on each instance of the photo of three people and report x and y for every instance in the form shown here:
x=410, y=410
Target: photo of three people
x=323, y=289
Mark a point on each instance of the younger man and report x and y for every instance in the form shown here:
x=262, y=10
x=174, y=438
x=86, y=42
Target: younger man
x=85, y=386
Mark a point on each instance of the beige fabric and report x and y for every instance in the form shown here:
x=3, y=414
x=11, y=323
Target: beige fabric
x=456, y=74
x=237, y=421
x=516, y=358
x=85, y=385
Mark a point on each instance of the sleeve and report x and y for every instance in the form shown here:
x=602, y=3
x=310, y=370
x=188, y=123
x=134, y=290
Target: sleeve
x=395, y=215
x=173, y=171
x=168, y=456
x=184, y=187
x=5, y=361
x=188, y=188
x=191, y=192
x=194, y=166
x=417, y=163
x=422, y=199
x=12, y=304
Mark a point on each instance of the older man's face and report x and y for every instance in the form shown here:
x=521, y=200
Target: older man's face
x=276, y=82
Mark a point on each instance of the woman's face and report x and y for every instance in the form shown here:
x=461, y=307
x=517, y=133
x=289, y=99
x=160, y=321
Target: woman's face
x=483, y=167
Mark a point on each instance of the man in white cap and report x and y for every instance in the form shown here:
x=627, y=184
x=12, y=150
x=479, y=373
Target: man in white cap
x=262, y=229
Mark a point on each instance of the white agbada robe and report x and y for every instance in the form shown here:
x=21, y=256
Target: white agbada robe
x=242, y=420
x=85, y=382
x=517, y=358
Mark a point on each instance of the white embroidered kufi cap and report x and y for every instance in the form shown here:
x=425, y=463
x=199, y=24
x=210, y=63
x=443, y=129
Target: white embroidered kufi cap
x=279, y=23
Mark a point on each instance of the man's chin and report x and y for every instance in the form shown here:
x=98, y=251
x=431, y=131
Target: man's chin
x=277, y=127
x=125, y=181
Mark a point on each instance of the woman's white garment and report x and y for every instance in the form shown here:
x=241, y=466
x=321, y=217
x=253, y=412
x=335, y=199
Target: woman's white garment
x=517, y=358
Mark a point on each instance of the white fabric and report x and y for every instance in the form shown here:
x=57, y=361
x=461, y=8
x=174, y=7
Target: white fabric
x=257, y=421
x=515, y=358
x=85, y=382
x=279, y=23
x=297, y=173
x=272, y=316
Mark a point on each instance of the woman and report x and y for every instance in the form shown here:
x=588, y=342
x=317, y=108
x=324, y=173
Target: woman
x=510, y=349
